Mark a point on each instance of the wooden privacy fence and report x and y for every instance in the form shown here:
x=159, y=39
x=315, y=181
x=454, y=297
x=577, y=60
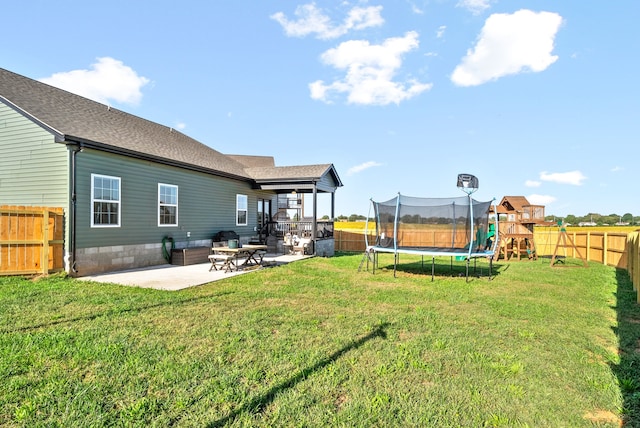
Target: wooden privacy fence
x=31, y=240
x=633, y=264
x=350, y=241
x=608, y=248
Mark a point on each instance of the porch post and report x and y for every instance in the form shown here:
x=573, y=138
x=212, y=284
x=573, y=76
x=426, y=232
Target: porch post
x=314, y=226
x=333, y=204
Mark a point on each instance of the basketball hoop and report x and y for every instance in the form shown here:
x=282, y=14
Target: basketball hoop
x=467, y=183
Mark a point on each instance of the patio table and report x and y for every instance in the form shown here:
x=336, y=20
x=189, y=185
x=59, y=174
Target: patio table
x=253, y=255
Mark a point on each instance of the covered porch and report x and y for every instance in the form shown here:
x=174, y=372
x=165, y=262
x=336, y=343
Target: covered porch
x=293, y=216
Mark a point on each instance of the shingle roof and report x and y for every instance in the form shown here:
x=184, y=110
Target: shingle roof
x=254, y=161
x=301, y=172
x=75, y=118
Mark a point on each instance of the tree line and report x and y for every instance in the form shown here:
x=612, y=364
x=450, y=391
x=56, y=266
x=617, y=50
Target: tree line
x=597, y=219
x=591, y=218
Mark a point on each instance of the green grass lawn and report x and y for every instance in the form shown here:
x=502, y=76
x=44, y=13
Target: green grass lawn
x=317, y=343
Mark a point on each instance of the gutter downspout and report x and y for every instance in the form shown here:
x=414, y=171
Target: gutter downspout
x=75, y=149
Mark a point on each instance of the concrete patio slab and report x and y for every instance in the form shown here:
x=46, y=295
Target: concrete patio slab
x=172, y=277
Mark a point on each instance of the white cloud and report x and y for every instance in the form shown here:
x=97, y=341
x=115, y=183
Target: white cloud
x=359, y=168
x=440, y=32
x=510, y=44
x=474, y=6
x=617, y=169
x=180, y=126
x=415, y=9
x=370, y=70
x=572, y=177
x=311, y=20
x=532, y=183
x=535, y=199
x=107, y=80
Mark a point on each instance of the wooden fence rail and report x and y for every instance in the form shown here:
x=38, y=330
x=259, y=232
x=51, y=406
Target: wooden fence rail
x=31, y=240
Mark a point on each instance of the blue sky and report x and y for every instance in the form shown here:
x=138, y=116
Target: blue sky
x=535, y=98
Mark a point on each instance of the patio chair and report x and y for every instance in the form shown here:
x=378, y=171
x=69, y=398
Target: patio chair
x=303, y=246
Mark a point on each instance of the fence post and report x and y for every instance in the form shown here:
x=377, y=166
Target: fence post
x=588, y=248
x=45, y=241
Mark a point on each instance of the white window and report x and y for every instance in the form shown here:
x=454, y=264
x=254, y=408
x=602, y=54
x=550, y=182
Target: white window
x=242, y=205
x=105, y=201
x=167, y=205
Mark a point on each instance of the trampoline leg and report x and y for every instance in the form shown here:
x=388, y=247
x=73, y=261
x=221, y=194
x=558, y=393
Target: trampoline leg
x=467, y=269
x=433, y=267
x=490, y=267
x=374, y=263
x=395, y=263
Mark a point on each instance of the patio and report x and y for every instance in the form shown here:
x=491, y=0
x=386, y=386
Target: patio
x=171, y=277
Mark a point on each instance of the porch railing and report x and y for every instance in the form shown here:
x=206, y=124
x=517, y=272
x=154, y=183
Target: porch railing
x=302, y=228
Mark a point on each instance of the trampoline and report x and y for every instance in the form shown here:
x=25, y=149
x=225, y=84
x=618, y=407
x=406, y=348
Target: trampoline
x=436, y=227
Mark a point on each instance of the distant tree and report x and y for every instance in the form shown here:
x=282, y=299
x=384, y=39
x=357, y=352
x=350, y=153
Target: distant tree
x=571, y=219
x=415, y=219
x=342, y=217
x=627, y=218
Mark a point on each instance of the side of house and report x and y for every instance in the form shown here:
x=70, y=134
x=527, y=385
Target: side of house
x=147, y=202
x=130, y=188
x=34, y=170
x=135, y=205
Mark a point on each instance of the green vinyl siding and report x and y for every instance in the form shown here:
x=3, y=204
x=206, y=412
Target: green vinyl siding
x=206, y=203
x=34, y=169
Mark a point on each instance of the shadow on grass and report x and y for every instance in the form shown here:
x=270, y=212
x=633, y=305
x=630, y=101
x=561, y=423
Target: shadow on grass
x=628, y=332
x=110, y=312
x=259, y=403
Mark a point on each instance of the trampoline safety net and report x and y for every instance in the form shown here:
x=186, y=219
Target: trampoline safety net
x=436, y=224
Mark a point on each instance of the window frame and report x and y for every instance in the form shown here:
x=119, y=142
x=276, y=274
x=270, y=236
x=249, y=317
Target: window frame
x=245, y=199
x=166, y=204
x=117, y=202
